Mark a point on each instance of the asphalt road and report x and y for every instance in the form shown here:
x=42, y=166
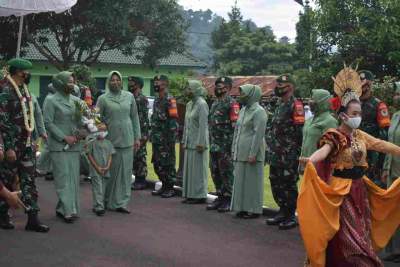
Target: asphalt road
x=157, y=233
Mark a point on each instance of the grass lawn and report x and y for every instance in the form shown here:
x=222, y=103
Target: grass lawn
x=268, y=199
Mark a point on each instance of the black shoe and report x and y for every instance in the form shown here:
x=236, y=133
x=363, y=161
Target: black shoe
x=49, y=177
x=240, y=214
x=168, y=193
x=277, y=219
x=66, y=219
x=139, y=186
x=215, y=204
x=158, y=192
x=225, y=206
x=397, y=260
x=250, y=215
x=123, y=210
x=34, y=225
x=288, y=224
x=194, y=201
x=6, y=223
x=99, y=212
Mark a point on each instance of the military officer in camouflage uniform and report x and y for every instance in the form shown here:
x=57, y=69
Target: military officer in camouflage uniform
x=284, y=142
x=223, y=115
x=375, y=122
x=16, y=127
x=163, y=136
x=135, y=85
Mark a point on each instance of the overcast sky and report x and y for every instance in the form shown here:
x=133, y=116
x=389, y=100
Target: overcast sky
x=281, y=15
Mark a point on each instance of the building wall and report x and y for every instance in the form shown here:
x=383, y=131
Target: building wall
x=42, y=69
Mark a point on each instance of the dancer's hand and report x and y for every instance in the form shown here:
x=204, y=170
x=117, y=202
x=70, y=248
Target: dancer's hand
x=11, y=156
x=252, y=160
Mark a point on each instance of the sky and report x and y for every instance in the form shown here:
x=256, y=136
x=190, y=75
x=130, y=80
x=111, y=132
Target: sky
x=281, y=15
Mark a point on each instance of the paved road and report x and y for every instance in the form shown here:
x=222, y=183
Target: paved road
x=157, y=233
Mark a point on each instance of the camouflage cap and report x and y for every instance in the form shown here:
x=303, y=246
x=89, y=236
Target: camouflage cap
x=225, y=80
x=137, y=80
x=366, y=75
x=20, y=63
x=161, y=77
x=285, y=78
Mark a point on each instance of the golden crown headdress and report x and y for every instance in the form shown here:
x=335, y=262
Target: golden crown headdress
x=348, y=85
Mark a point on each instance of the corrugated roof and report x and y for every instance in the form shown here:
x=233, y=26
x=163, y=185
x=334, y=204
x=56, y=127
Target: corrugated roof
x=117, y=57
x=267, y=83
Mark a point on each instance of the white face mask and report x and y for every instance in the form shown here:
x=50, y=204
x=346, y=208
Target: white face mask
x=353, y=123
x=103, y=134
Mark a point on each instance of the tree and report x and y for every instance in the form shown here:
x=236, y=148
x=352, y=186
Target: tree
x=151, y=29
x=241, y=49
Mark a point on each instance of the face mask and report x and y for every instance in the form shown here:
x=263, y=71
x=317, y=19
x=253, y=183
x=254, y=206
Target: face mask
x=353, y=123
x=27, y=78
x=219, y=92
x=103, y=135
x=243, y=100
x=69, y=89
x=280, y=91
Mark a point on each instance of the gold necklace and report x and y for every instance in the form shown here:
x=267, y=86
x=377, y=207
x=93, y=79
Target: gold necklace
x=29, y=122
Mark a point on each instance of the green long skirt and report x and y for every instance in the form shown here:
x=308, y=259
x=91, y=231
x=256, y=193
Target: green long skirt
x=195, y=174
x=118, y=187
x=393, y=247
x=248, y=187
x=66, y=179
x=44, y=161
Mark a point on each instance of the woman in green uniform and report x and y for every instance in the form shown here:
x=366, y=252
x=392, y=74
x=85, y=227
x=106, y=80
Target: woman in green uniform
x=61, y=121
x=248, y=154
x=392, y=172
x=118, y=111
x=195, y=141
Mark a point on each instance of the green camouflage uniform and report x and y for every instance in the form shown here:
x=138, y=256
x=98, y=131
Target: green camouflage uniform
x=369, y=124
x=284, y=140
x=140, y=161
x=163, y=138
x=221, y=136
x=15, y=137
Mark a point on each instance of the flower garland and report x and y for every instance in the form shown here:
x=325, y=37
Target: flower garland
x=29, y=122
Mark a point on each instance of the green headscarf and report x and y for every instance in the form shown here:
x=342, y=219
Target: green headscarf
x=250, y=94
x=321, y=99
x=109, y=79
x=196, y=88
x=61, y=80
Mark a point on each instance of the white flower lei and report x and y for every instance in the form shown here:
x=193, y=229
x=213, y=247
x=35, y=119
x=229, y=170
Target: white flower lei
x=29, y=122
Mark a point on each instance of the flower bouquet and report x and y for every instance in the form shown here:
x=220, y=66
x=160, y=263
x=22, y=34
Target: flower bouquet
x=90, y=123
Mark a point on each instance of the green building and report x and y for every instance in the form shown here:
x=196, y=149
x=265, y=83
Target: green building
x=173, y=65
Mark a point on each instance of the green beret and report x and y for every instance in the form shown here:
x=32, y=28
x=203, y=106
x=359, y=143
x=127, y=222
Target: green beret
x=20, y=63
x=366, y=75
x=225, y=80
x=160, y=78
x=285, y=78
x=137, y=80
x=60, y=80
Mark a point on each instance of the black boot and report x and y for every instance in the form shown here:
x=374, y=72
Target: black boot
x=278, y=218
x=34, y=225
x=168, y=193
x=5, y=222
x=215, y=204
x=289, y=223
x=225, y=205
x=159, y=191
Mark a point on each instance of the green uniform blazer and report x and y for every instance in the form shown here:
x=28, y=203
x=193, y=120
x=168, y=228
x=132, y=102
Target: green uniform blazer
x=248, y=139
x=119, y=112
x=60, y=120
x=196, y=124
